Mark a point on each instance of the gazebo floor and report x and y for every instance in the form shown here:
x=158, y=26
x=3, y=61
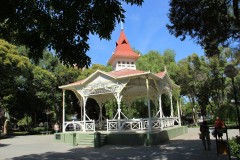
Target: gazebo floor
x=128, y=137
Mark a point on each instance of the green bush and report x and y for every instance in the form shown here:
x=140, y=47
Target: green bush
x=37, y=130
x=234, y=144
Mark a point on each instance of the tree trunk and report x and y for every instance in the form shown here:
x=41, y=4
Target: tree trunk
x=194, y=112
x=236, y=10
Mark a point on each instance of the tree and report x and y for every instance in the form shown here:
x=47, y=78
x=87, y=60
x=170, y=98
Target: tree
x=170, y=63
x=63, y=26
x=191, y=67
x=152, y=61
x=14, y=71
x=88, y=71
x=210, y=23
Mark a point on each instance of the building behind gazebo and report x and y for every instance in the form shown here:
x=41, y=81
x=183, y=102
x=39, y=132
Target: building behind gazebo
x=125, y=84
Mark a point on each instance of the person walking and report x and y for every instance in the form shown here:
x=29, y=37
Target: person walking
x=219, y=124
x=204, y=129
x=56, y=127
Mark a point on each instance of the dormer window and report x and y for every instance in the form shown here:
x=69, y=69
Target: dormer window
x=124, y=42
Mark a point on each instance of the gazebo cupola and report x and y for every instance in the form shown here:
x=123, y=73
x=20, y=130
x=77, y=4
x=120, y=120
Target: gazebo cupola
x=123, y=56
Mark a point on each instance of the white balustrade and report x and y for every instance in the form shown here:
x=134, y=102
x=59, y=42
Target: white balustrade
x=122, y=124
x=79, y=125
x=140, y=124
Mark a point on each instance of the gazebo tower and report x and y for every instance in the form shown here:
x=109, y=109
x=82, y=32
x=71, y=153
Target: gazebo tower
x=123, y=57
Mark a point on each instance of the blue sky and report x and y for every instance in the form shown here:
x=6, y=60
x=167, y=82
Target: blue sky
x=145, y=28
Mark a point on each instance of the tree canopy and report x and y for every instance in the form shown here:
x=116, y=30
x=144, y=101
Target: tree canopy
x=63, y=26
x=209, y=23
x=14, y=69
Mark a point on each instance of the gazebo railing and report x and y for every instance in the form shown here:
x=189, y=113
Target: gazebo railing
x=139, y=124
x=79, y=125
x=122, y=124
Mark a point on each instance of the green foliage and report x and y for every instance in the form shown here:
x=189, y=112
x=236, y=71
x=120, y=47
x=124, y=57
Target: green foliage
x=234, y=144
x=43, y=82
x=64, y=26
x=202, y=81
x=227, y=112
x=66, y=75
x=152, y=61
x=187, y=109
x=25, y=122
x=14, y=69
x=88, y=71
x=209, y=23
x=111, y=108
x=169, y=56
x=37, y=130
x=49, y=61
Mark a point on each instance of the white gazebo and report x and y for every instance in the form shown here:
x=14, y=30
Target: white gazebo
x=124, y=84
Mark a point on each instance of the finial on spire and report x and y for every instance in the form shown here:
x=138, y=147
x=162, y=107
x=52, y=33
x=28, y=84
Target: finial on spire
x=121, y=25
x=121, y=20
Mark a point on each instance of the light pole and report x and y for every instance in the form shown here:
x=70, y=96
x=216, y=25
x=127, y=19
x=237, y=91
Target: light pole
x=231, y=72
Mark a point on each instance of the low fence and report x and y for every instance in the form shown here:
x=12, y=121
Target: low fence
x=122, y=124
x=139, y=124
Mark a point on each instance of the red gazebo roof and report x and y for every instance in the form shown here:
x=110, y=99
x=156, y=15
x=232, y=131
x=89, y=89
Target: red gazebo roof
x=123, y=49
x=125, y=72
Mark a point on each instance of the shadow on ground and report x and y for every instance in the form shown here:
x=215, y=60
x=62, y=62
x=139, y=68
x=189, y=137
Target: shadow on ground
x=172, y=150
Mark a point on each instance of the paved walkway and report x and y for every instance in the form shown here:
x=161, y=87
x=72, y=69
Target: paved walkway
x=185, y=147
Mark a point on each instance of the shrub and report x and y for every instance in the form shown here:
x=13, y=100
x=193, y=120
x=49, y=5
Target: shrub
x=234, y=144
x=25, y=123
x=37, y=130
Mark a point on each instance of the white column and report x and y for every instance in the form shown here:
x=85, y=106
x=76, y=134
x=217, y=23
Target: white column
x=100, y=117
x=81, y=105
x=149, y=110
x=119, y=108
x=170, y=93
x=118, y=98
x=160, y=106
x=63, y=112
x=84, y=112
x=179, y=115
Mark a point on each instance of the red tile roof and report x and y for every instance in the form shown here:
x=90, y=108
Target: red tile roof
x=73, y=84
x=125, y=72
x=160, y=74
x=116, y=74
x=123, y=49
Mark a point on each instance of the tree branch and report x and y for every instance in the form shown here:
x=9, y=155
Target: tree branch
x=236, y=9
